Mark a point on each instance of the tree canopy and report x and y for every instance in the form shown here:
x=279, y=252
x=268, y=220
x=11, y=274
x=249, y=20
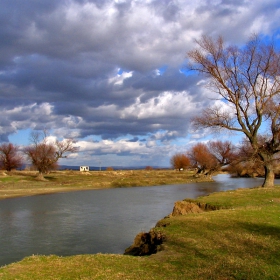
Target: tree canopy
x=180, y=161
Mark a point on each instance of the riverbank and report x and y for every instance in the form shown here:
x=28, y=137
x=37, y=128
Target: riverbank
x=241, y=240
x=25, y=183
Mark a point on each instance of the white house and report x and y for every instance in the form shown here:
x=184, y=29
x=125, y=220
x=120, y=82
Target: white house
x=84, y=168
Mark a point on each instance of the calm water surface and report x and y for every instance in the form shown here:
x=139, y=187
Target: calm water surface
x=88, y=222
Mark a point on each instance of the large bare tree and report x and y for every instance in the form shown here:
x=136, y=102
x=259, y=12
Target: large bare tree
x=10, y=158
x=247, y=80
x=44, y=154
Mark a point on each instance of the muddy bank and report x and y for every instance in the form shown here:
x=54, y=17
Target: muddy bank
x=147, y=243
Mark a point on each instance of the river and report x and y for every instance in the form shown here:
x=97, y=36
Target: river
x=93, y=221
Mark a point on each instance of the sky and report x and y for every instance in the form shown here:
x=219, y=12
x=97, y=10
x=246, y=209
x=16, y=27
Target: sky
x=111, y=74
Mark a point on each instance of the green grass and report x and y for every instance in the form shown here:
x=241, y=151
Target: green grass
x=239, y=241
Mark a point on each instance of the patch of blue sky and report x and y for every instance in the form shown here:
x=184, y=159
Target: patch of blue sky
x=181, y=142
x=93, y=138
x=276, y=38
x=224, y=135
x=122, y=70
x=186, y=71
x=21, y=137
x=131, y=138
x=162, y=70
x=271, y=38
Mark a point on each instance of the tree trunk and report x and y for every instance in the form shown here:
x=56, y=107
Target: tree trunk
x=41, y=177
x=269, y=177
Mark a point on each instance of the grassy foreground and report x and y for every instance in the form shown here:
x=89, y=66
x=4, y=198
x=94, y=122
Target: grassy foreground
x=239, y=241
x=25, y=183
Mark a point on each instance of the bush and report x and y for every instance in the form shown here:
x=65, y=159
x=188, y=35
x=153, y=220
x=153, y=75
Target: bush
x=109, y=168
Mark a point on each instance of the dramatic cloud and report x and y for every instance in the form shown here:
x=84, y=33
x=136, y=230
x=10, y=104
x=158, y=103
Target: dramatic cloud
x=111, y=74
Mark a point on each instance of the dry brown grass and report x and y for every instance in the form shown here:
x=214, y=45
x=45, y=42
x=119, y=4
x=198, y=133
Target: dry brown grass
x=25, y=183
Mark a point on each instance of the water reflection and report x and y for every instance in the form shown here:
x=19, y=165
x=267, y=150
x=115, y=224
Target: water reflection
x=88, y=222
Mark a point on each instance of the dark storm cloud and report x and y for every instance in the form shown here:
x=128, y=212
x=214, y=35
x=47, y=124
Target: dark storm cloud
x=170, y=80
x=169, y=10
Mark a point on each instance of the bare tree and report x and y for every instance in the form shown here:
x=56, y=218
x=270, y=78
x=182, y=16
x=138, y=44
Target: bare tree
x=248, y=81
x=44, y=154
x=247, y=163
x=210, y=157
x=202, y=159
x=179, y=161
x=148, y=167
x=10, y=157
x=224, y=152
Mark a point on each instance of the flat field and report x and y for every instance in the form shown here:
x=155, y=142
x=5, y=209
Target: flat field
x=25, y=183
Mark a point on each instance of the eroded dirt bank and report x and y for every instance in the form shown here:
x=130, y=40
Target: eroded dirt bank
x=147, y=243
